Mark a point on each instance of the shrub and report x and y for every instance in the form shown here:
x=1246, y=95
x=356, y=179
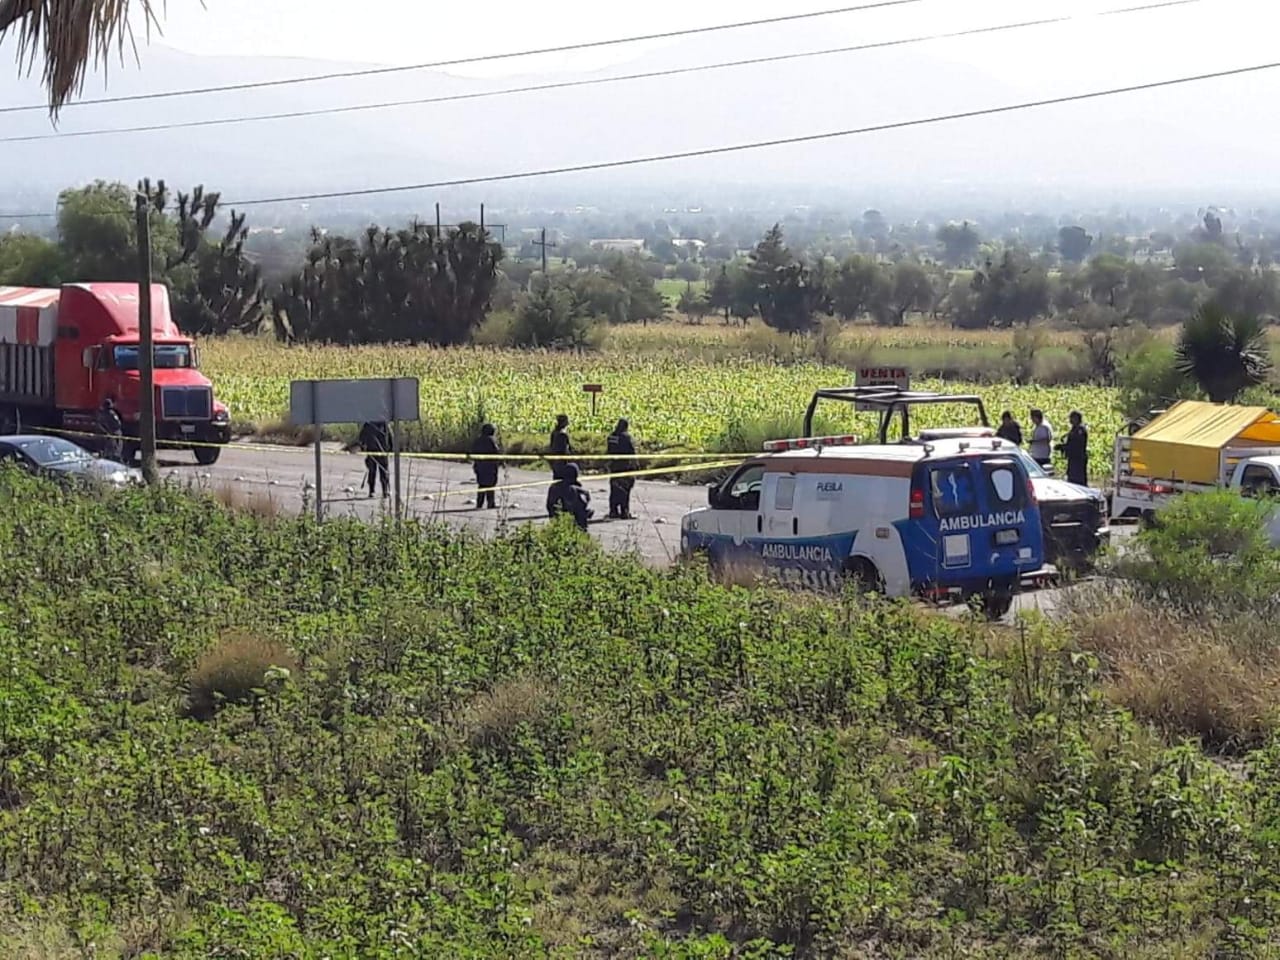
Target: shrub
x=233, y=671
x=1207, y=550
x=1149, y=379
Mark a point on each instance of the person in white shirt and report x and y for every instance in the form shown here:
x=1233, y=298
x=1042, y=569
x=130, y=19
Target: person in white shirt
x=1041, y=448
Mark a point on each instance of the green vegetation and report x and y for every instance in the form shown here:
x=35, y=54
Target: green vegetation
x=223, y=735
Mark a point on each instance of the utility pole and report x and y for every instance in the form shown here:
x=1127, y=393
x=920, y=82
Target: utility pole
x=146, y=349
x=543, y=244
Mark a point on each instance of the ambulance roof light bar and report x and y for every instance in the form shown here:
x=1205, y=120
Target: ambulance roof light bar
x=806, y=443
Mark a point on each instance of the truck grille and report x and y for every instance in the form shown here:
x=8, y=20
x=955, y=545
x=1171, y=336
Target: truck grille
x=186, y=403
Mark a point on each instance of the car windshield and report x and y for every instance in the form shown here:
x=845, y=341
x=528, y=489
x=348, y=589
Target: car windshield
x=49, y=451
x=1034, y=470
x=169, y=356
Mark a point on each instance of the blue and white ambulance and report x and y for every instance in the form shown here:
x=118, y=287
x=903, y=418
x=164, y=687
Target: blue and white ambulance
x=906, y=519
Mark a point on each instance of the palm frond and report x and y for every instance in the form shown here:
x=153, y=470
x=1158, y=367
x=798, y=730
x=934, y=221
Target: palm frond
x=69, y=35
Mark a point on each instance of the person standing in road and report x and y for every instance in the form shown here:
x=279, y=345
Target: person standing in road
x=375, y=441
x=560, y=446
x=1009, y=429
x=568, y=496
x=1041, y=449
x=623, y=451
x=1076, y=450
x=486, y=450
x=111, y=429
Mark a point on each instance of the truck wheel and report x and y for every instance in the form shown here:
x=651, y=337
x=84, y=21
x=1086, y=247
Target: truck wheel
x=996, y=605
x=207, y=456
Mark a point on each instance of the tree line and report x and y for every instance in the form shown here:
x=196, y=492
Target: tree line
x=791, y=291
x=419, y=285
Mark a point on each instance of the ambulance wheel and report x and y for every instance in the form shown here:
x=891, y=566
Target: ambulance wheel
x=996, y=605
x=862, y=575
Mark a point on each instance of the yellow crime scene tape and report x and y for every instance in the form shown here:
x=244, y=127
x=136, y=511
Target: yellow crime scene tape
x=593, y=477
x=417, y=455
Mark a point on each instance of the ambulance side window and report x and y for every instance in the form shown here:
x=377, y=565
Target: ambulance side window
x=784, y=497
x=952, y=488
x=742, y=492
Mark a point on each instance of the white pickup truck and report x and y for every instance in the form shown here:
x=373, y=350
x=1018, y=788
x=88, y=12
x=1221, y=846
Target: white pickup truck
x=1251, y=472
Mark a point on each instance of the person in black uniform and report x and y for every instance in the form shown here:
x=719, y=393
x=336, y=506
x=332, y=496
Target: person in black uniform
x=486, y=469
x=1009, y=429
x=375, y=441
x=1076, y=449
x=623, y=451
x=111, y=429
x=560, y=446
x=568, y=496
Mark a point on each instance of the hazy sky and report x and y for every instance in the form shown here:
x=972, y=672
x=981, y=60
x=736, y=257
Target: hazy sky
x=1207, y=35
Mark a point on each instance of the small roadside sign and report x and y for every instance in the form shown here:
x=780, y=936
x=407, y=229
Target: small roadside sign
x=595, y=390
x=885, y=376
x=378, y=399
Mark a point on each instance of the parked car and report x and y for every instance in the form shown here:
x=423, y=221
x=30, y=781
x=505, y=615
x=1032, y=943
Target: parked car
x=63, y=460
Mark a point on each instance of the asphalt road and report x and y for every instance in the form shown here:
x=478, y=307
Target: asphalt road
x=445, y=491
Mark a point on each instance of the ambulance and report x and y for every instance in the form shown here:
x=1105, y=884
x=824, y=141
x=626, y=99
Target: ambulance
x=907, y=519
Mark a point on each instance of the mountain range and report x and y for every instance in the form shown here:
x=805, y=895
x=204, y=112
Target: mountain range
x=1208, y=137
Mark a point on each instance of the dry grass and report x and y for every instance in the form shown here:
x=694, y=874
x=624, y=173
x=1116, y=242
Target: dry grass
x=257, y=503
x=232, y=670
x=493, y=718
x=1202, y=676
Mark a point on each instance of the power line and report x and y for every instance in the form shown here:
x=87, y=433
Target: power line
x=762, y=144
x=461, y=61
x=742, y=147
x=594, y=81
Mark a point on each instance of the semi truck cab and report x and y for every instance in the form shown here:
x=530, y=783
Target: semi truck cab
x=63, y=352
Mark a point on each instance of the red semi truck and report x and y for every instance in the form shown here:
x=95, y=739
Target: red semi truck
x=63, y=352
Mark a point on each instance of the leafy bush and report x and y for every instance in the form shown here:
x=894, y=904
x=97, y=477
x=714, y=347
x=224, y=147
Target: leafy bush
x=527, y=747
x=1206, y=550
x=1149, y=379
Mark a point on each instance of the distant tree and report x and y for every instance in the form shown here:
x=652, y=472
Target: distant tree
x=1013, y=291
x=1106, y=275
x=911, y=289
x=720, y=297
x=407, y=285
x=1074, y=243
x=1212, y=227
x=1223, y=354
x=687, y=304
x=780, y=282
x=1208, y=262
x=30, y=261
x=859, y=285
x=743, y=300
x=643, y=300
x=226, y=292
x=551, y=318
x=875, y=227
x=97, y=234
x=1247, y=293
x=688, y=271
x=959, y=241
